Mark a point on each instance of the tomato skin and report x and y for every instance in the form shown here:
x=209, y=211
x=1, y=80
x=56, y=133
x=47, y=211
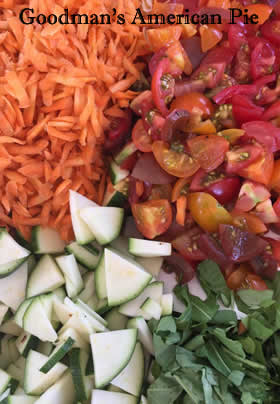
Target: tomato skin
x=263, y=59
x=173, y=162
x=261, y=170
x=263, y=12
x=213, y=250
x=225, y=190
x=244, y=110
x=160, y=37
x=186, y=245
x=241, y=157
x=276, y=206
x=208, y=150
x=271, y=31
x=143, y=103
x=210, y=37
x=239, y=245
x=180, y=188
x=251, y=193
x=178, y=56
x=265, y=133
x=275, y=245
x=140, y=137
x=118, y=132
x=162, y=90
x=236, y=279
x=162, y=191
x=152, y=218
x=207, y=212
x=248, y=222
x=254, y=282
x=241, y=68
x=275, y=179
x=212, y=69
x=194, y=103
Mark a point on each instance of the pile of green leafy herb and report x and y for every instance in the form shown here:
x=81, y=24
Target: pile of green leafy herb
x=201, y=358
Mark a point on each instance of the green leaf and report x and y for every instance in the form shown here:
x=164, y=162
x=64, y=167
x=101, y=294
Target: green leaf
x=190, y=381
x=212, y=280
x=165, y=390
x=185, y=319
x=277, y=344
x=225, y=317
x=207, y=388
x=217, y=358
x=258, y=330
x=249, y=345
x=276, y=287
x=165, y=354
x=173, y=338
x=203, y=311
x=236, y=377
x=186, y=359
x=195, y=343
x=258, y=354
x=233, y=346
x=255, y=298
x=166, y=325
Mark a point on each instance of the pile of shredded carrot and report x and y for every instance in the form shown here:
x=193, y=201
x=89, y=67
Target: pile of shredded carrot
x=60, y=87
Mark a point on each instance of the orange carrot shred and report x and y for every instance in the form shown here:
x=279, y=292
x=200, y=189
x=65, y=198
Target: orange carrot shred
x=181, y=205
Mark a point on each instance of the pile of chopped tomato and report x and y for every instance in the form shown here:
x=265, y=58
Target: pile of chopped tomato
x=208, y=138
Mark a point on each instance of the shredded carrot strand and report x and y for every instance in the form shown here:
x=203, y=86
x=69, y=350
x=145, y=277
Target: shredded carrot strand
x=181, y=205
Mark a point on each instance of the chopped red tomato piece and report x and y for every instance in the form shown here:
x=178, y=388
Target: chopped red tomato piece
x=275, y=179
x=260, y=170
x=174, y=160
x=236, y=279
x=152, y=217
x=180, y=188
x=248, y=222
x=244, y=110
x=264, y=133
x=141, y=138
x=239, y=245
x=163, y=86
x=207, y=211
x=224, y=189
x=271, y=31
x=241, y=157
x=254, y=282
x=213, y=250
x=208, y=150
x=178, y=56
x=194, y=103
x=160, y=37
x=210, y=37
x=263, y=59
x=187, y=245
x=266, y=213
x=251, y=193
x=263, y=12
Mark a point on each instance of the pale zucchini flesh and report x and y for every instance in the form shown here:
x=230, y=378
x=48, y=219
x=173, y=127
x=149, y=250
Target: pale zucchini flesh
x=82, y=232
x=46, y=277
x=131, y=378
x=109, y=397
x=111, y=353
x=149, y=248
x=125, y=278
x=104, y=222
x=46, y=241
x=36, y=382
